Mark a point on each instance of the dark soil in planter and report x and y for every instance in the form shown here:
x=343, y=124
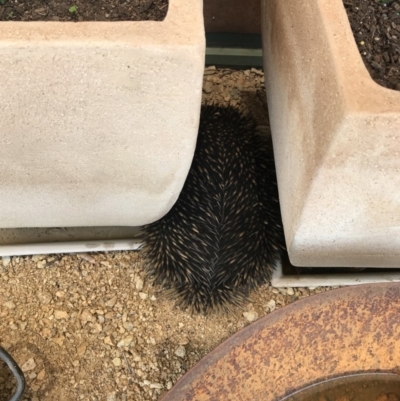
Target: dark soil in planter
x=83, y=10
x=376, y=28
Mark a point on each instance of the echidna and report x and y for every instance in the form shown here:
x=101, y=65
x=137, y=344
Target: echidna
x=224, y=234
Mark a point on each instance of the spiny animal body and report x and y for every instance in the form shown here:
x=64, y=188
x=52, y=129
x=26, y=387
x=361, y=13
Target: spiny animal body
x=223, y=236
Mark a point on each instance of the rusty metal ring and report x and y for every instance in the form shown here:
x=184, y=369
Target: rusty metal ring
x=328, y=335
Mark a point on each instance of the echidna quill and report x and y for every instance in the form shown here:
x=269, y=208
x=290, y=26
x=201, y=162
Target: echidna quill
x=224, y=235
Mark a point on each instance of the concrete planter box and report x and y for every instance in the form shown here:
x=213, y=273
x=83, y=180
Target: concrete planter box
x=336, y=136
x=99, y=120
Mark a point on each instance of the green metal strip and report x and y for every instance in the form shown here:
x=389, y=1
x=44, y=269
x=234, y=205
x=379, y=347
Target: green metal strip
x=234, y=57
x=234, y=50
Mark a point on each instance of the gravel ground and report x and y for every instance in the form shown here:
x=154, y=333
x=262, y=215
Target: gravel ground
x=90, y=327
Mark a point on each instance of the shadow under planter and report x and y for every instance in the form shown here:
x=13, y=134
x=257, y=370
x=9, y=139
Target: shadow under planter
x=336, y=137
x=99, y=120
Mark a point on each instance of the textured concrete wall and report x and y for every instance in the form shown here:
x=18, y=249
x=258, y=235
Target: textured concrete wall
x=336, y=138
x=99, y=120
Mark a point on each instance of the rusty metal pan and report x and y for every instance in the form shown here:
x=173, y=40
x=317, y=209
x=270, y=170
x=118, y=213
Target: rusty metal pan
x=328, y=335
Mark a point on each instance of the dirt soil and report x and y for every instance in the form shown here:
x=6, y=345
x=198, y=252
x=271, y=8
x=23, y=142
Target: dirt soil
x=83, y=10
x=90, y=327
x=376, y=28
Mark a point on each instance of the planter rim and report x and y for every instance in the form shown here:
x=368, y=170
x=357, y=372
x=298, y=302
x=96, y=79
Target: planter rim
x=180, y=12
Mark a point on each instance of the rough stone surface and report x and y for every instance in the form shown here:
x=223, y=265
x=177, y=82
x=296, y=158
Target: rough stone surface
x=336, y=138
x=130, y=347
x=100, y=119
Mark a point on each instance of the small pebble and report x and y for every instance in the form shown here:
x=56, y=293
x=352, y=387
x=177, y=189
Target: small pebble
x=207, y=87
x=81, y=350
x=30, y=364
x=108, y=341
x=86, y=316
x=41, y=375
x=6, y=260
x=9, y=305
x=180, y=351
x=251, y=316
x=156, y=385
x=139, y=283
x=125, y=342
x=258, y=72
x=40, y=10
x=271, y=305
x=60, y=314
x=116, y=361
x=183, y=341
x=143, y=295
x=128, y=326
x=111, y=302
x=290, y=291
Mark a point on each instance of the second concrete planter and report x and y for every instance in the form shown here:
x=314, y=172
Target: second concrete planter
x=336, y=137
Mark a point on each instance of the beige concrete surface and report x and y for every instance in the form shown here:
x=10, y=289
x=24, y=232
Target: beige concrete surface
x=98, y=120
x=336, y=137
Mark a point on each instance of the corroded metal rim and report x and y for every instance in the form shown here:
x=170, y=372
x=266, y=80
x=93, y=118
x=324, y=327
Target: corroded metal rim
x=344, y=331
